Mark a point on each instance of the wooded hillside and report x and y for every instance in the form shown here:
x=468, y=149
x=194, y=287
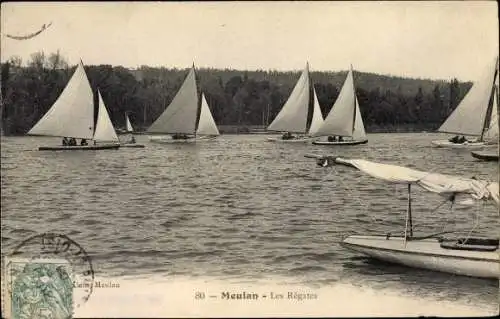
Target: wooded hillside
x=235, y=97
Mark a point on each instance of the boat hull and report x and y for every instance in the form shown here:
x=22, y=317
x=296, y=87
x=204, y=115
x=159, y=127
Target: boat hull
x=427, y=254
x=343, y=143
x=485, y=156
x=132, y=145
x=466, y=145
x=79, y=147
x=167, y=140
x=122, y=132
x=295, y=140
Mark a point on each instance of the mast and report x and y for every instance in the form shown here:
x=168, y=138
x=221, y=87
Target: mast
x=198, y=101
x=354, y=101
x=409, y=210
x=408, y=218
x=487, y=118
x=498, y=108
x=310, y=106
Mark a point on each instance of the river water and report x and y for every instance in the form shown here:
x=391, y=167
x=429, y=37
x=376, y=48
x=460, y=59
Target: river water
x=169, y=222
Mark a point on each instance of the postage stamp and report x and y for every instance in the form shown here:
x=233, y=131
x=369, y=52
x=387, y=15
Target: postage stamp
x=40, y=276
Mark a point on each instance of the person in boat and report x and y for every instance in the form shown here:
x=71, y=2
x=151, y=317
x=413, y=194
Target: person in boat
x=462, y=139
x=72, y=142
x=179, y=136
x=331, y=138
x=132, y=140
x=341, y=139
x=65, y=141
x=287, y=136
x=84, y=142
x=454, y=139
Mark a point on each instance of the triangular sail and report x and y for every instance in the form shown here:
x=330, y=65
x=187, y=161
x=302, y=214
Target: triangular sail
x=491, y=134
x=469, y=116
x=72, y=114
x=180, y=115
x=206, y=124
x=293, y=116
x=340, y=120
x=359, y=133
x=317, y=117
x=104, y=130
x=129, y=125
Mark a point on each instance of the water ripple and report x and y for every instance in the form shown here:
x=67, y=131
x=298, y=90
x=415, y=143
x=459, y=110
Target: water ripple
x=239, y=206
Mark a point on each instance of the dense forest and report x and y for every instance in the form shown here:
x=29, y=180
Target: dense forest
x=242, y=98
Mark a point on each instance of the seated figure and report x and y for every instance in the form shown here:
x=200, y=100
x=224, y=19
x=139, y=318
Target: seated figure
x=179, y=136
x=287, y=136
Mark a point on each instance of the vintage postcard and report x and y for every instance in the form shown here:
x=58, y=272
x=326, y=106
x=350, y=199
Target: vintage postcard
x=249, y=159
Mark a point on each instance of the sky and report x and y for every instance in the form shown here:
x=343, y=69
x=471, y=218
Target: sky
x=436, y=40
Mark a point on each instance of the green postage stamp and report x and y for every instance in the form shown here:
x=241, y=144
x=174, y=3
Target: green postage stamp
x=37, y=288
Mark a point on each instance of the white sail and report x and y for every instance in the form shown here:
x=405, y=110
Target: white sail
x=317, y=117
x=293, y=116
x=180, y=115
x=469, y=116
x=491, y=134
x=129, y=125
x=104, y=130
x=72, y=114
x=340, y=120
x=206, y=124
x=359, y=133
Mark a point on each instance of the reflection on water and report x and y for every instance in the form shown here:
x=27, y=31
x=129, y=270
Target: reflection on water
x=239, y=207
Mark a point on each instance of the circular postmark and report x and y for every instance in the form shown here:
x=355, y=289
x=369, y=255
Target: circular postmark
x=49, y=273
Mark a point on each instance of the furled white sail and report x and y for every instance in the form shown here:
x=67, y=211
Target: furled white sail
x=293, y=116
x=72, y=114
x=206, y=124
x=445, y=185
x=469, y=116
x=359, y=133
x=180, y=115
x=341, y=119
x=129, y=125
x=317, y=117
x=104, y=130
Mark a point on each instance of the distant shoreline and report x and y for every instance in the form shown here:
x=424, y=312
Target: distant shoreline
x=259, y=129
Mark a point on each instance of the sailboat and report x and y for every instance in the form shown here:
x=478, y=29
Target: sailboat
x=129, y=129
x=180, y=118
x=468, y=256
x=492, y=133
x=344, y=120
x=72, y=116
x=293, y=116
x=474, y=115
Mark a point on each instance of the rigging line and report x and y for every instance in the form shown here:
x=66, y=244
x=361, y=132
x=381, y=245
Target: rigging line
x=474, y=225
x=433, y=211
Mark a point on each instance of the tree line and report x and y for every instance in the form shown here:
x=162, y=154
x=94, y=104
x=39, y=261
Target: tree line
x=235, y=97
